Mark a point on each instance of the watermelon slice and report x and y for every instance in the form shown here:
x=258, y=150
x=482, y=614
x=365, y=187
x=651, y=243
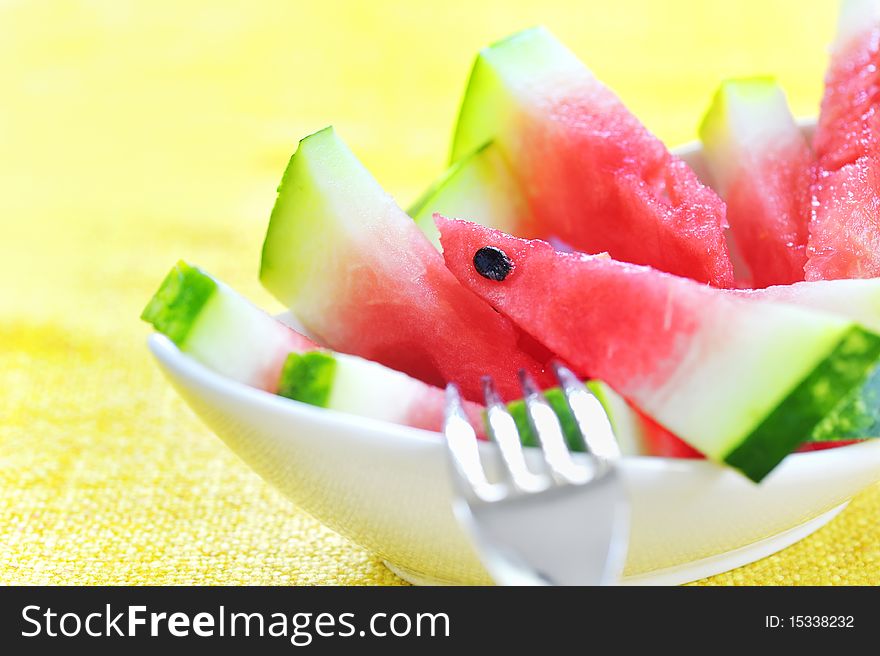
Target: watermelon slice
x=221, y=329
x=760, y=164
x=360, y=276
x=844, y=237
x=225, y=332
x=856, y=417
x=740, y=380
x=591, y=173
x=858, y=414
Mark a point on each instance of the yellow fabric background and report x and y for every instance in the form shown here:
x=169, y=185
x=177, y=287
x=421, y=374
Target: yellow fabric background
x=133, y=134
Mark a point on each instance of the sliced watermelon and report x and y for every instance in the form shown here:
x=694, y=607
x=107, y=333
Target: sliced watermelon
x=740, y=380
x=592, y=174
x=760, y=164
x=225, y=332
x=845, y=231
x=651, y=439
x=856, y=417
x=858, y=414
x=360, y=276
x=221, y=329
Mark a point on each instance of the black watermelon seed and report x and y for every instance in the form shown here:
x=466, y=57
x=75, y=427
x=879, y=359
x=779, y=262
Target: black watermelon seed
x=492, y=263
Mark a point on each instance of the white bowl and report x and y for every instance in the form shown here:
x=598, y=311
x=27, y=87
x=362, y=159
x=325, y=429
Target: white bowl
x=386, y=487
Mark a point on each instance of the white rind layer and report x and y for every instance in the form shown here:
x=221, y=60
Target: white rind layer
x=748, y=118
x=856, y=299
x=855, y=18
x=366, y=388
x=527, y=73
x=237, y=339
x=783, y=342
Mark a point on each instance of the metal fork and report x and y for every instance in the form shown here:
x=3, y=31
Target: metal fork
x=551, y=517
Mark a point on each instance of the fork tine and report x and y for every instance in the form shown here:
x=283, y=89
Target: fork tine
x=461, y=443
x=589, y=414
x=503, y=430
x=546, y=427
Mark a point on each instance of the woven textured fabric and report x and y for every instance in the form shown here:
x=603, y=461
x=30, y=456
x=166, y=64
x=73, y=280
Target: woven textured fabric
x=134, y=134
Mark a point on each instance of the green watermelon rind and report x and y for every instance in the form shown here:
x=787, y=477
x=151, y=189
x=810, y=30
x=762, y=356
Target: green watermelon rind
x=556, y=400
x=308, y=377
x=857, y=416
x=175, y=307
x=792, y=420
x=218, y=327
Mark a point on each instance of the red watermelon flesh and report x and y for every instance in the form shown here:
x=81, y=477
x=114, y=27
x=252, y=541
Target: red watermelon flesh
x=844, y=237
x=774, y=261
x=633, y=199
x=593, y=175
x=822, y=446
